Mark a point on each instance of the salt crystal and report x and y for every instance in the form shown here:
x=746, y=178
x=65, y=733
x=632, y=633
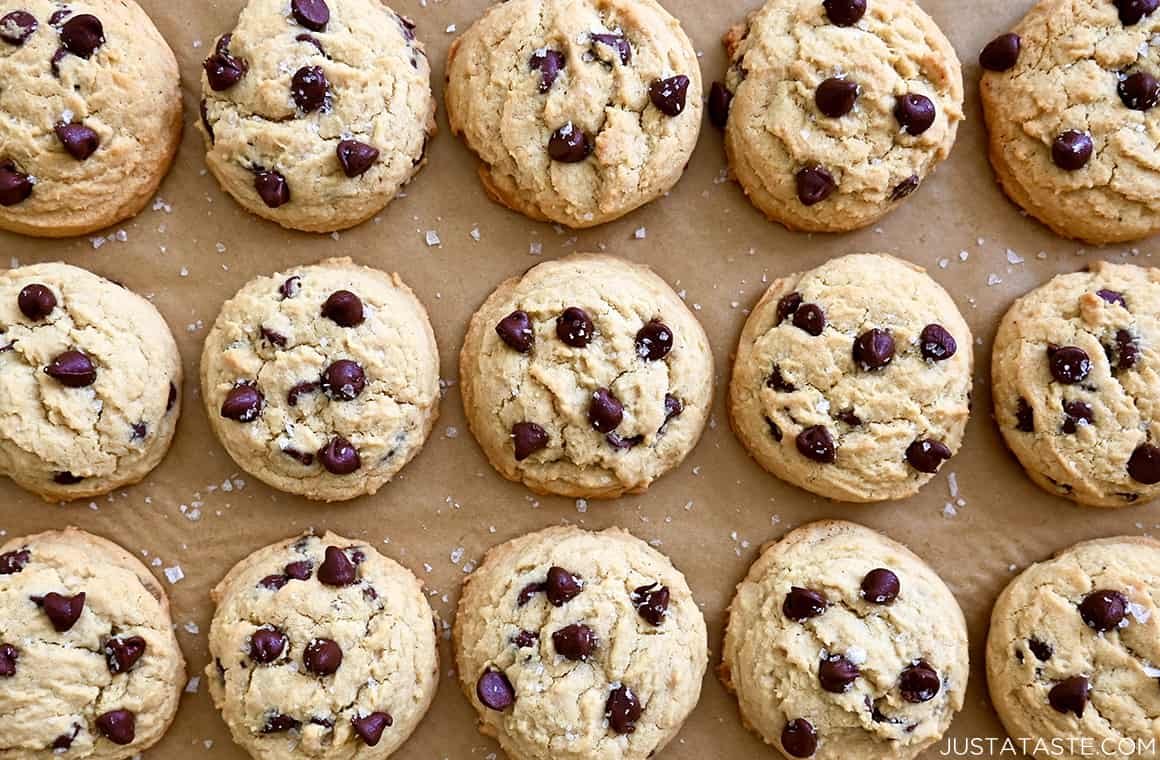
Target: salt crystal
x=174, y=574
x=432, y=238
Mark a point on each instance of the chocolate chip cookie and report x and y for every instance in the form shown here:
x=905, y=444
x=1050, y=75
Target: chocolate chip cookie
x=586, y=377
x=1076, y=390
x=835, y=112
x=573, y=645
x=841, y=644
x=92, y=114
x=89, y=664
x=580, y=110
x=323, y=380
x=317, y=112
x=322, y=648
x=853, y=380
x=1073, y=650
x=1070, y=111
x=90, y=383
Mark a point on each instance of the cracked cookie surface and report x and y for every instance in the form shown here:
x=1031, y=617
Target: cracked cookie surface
x=90, y=382
x=579, y=110
x=586, y=377
x=574, y=645
x=1076, y=377
x=853, y=380
x=89, y=665
x=90, y=114
x=323, y=648
x=842, y=643
x=833, y=123
x=1074, y=648
x=1079, y=67
x=317, y=112
x=322, y=380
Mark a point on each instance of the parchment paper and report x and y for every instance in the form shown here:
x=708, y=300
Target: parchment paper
x=198, y=247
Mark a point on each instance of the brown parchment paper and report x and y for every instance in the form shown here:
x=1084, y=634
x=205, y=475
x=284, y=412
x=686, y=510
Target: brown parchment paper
x=198, y=247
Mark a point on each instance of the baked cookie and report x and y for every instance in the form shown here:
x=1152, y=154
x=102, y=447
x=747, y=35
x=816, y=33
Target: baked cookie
x=1073, y=650
x=853, y=380
x=91, y=100
x=574, y=645
x=322, y=381
x=1076, y=389
x=90, y=383
x=834, y=112
x=1069, y=101
x=322, y=648
x=317, y=112
x=89, y=664
x=841, y=644
x=580, y=110
x=586, y=377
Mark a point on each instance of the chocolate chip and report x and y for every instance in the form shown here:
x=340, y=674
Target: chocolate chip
x=171, y=399
x=64, y=742
x=139, y=431
x=669, y=95
x=562, y=586
x=937, y=344
x=811, y=318
x=15, y=561
x=1070, y=696
x=344, y=308
x=63, y=611
x=278, y=723
x=774, y=430
x=300, y=570
x=1072, y=150
x=816, y=443
x=1103, y=611
x=623, y=444
x=337, y=569
x=344, y=380
x=36, y=301
x=1024, y=417
x=291, y=287
x=1042, y=651
x=267, y=645
x=72, y=369
x=927, y=455
x=575, y=642
x=8, y=658
x=919, y=683
x=529, y=591
x=80, y=141
x=17, y=26
x=1144, y=465
x=905, y=188
x=673, y=407
x=623, y=710
x=569, y=144
x=881, y=586
x=1132, y=11
x=272, y=337
x=310, y=39
x=58, y=16
x=309, y=88
x=719, y=101
x=1001, y=53
x=618, y=43
x=1139, y=91
x=223, y=70
x=1127, y=349
x=849, y=417
x=300, y=390
x=1076, y=413
x=271, y=187
x=845, y=12
x=82, y=35
x=15, y=185
x=778, y=382
x=516, y=330
x=495, y=691
x=118, y=726
x=526, y=640
x=837, y=674
x=312, y=14
x=801, y=604
x=273, y=582
x=788, y=305
x=243, y=403
x=356, y=158
x=799, y=739
x=814, y=185
x=339, y=456
x=66, y=479
x=835, y=97
x=874, y=349
x=1069, y=365
x=123, y=654
x=528, y=438
x=605, y=412
x=55, y=61
x=549, y=63
x=915, y=113
x=1112, y=297
x=574, y=327
x=322, y=657
x=651, y=602
x=370, y=729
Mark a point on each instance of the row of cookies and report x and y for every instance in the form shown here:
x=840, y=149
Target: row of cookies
x=839, y=643
x=315, y=116
x=587, y=377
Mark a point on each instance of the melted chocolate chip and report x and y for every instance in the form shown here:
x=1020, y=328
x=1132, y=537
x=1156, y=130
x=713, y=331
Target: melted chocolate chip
x=927, y=456
x=915, y=113
x=278, y=723
x=291, y=287
x=1001, y=53
x=778, y=382
x=298, y=391
x=801, y=604
x=881, y=586
x=1112, y=297
x=919, y=683
x=1072, y=150
x=623, y=444
x=874, y=349
x=516, y=330
x=569, y=144
x=344, y=308
x=719, y=101
x=669, y=95
x=811, y=318
x=529, y=591
x=845, y=12
x=82, y=35
x=549, y=63
x=63, y=611
x=654, y=341
x=937, y=344
x=1069, y=365
x=223, y=70
x=1024, y=417
x=605, y=412
x=370, y=728
x=788, y=305
x=80, y=141
x=272, y=188
x=118, y=726
x=799, y=739
x=1041, y=650
x=8, y=658
x=526, y=640
x=651, y=603
x=17, y=26
x=15, y=185
x=574, y=327
x=835, y=97
x=1076, y=413
x=1139, y=91
x=562, y=586
x=243, y=403
x=1133, y=11
x=837, y=674
x=814, y=185
x=36, y=301
x=816, y=443
x=1127, y=350
x=273, y=338
x=64, y=742
x=1104, y=610
x=1070, y=696
x=905, y=188
x=15, y=561
x=273, y=582
x=313, y=41
x=623, y=710
x=322, y=657
x=575, y=642
x=1144, y=465
x=312, y=14
x=309, y=88
x=72, y=369
x=66, y=479
x=774, y=430
x=267, y=645
x=344, y=380
x=336, y=569
x=528, y=438
x=618, y=43
x=356, y=158
x=121, y=654
x=495, y=691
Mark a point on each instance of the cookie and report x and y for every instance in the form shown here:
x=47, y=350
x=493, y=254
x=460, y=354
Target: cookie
x=574, y=645
x=1073, y=650
x=322, y=648
x=853, y=380
x=586, y=377
x=90, y=383
x=89, y=664
x=1069, y=108
x=322, y=381
x=580, y=111
x=1076, y=390
x=92, y=114
x=317, y=112
x=841, y=643
x=835, y=112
